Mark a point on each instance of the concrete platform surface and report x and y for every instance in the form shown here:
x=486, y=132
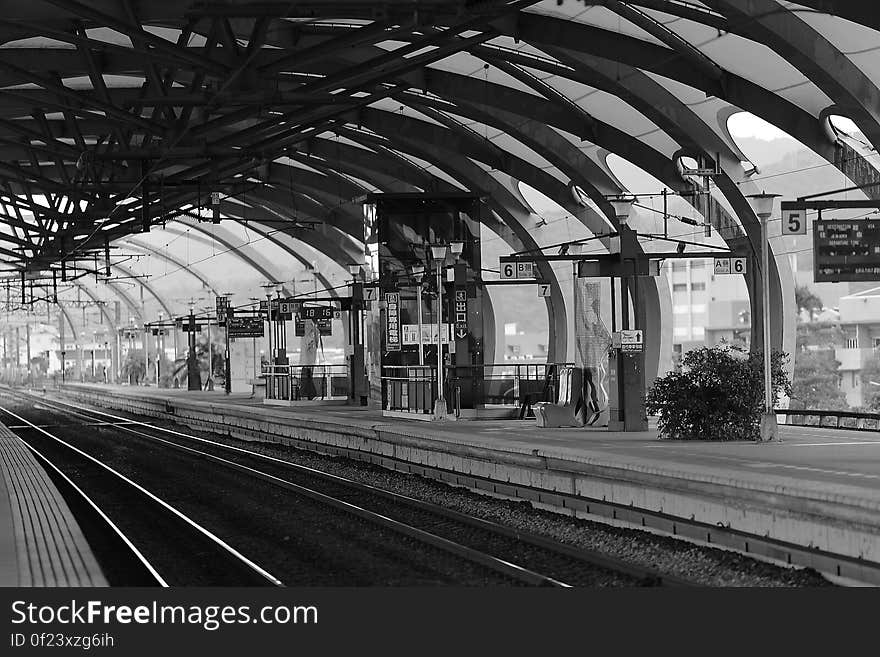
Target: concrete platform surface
x=823, y=459
x=41, y=543
x=819, y=488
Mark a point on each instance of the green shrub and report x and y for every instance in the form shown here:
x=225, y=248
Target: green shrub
x=717, y=395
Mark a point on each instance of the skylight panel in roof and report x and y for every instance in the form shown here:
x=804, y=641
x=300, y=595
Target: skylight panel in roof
x=109, y=35
x=38, y=42
x=169, y=34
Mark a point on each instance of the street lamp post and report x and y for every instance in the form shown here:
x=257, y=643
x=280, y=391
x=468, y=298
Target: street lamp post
x=622, y=207
x=417, y=271
x=193, y=377
x=227, y=359
x=763, y=207
x=160, y=345
x=269, y=287
x=439, y=253
x=209, y=384
x=281, y=348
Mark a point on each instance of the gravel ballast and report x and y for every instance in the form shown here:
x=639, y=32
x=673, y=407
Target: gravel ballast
x=671, y=556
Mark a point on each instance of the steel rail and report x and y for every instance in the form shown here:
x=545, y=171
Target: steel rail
x=492, y=562
x=168, y=507
x=587, y=557
x=723, y=537
x=94, y=506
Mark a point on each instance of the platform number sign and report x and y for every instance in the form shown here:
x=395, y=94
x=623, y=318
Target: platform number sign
x=371, y=293
x=794, y=222
x=730, y=266
x=514, y=270
x=543, y=289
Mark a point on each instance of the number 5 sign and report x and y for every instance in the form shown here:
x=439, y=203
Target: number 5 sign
x=794, y=222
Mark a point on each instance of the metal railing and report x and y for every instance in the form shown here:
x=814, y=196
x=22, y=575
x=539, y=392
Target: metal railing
x=841, y=419
x=307, y=382
x=409, y=388
x=413, y=388
x=509, y=384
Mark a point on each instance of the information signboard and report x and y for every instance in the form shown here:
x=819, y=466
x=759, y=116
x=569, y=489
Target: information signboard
x=410, y=333
x=846, y=250
x=392, y=321
x=461, y=314
x=245, y=327
x=325, y=326
x=317, y=312
x=222, y=305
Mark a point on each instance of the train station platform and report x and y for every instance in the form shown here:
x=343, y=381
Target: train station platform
x=812, y=499
x=41, y=543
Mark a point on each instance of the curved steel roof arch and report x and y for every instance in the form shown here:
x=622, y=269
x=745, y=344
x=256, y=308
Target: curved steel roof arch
x=177, y=262
x=224, y=92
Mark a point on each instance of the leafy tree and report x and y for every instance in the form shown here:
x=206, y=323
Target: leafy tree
x=179, y=367
x=807, y=300
x=822, y=335
x=717, y=395
x=871, y=391
x=134, y=367
x=816, y=381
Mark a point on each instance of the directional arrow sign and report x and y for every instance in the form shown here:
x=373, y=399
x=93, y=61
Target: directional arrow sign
x=461, y=334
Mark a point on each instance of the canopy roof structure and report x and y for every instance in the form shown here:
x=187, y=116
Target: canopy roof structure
x=118, y=116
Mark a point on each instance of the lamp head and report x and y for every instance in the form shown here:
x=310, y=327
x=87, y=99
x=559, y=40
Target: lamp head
x=438, y=251
x=622, y=205
x=762, y=203
x=456, y=248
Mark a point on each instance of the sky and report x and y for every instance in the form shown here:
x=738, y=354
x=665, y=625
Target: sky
x=745, y=125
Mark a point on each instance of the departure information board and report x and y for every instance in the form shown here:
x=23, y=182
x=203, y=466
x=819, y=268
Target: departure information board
x=846, y=250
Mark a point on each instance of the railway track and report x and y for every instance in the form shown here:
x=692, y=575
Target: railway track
x=514, y=555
